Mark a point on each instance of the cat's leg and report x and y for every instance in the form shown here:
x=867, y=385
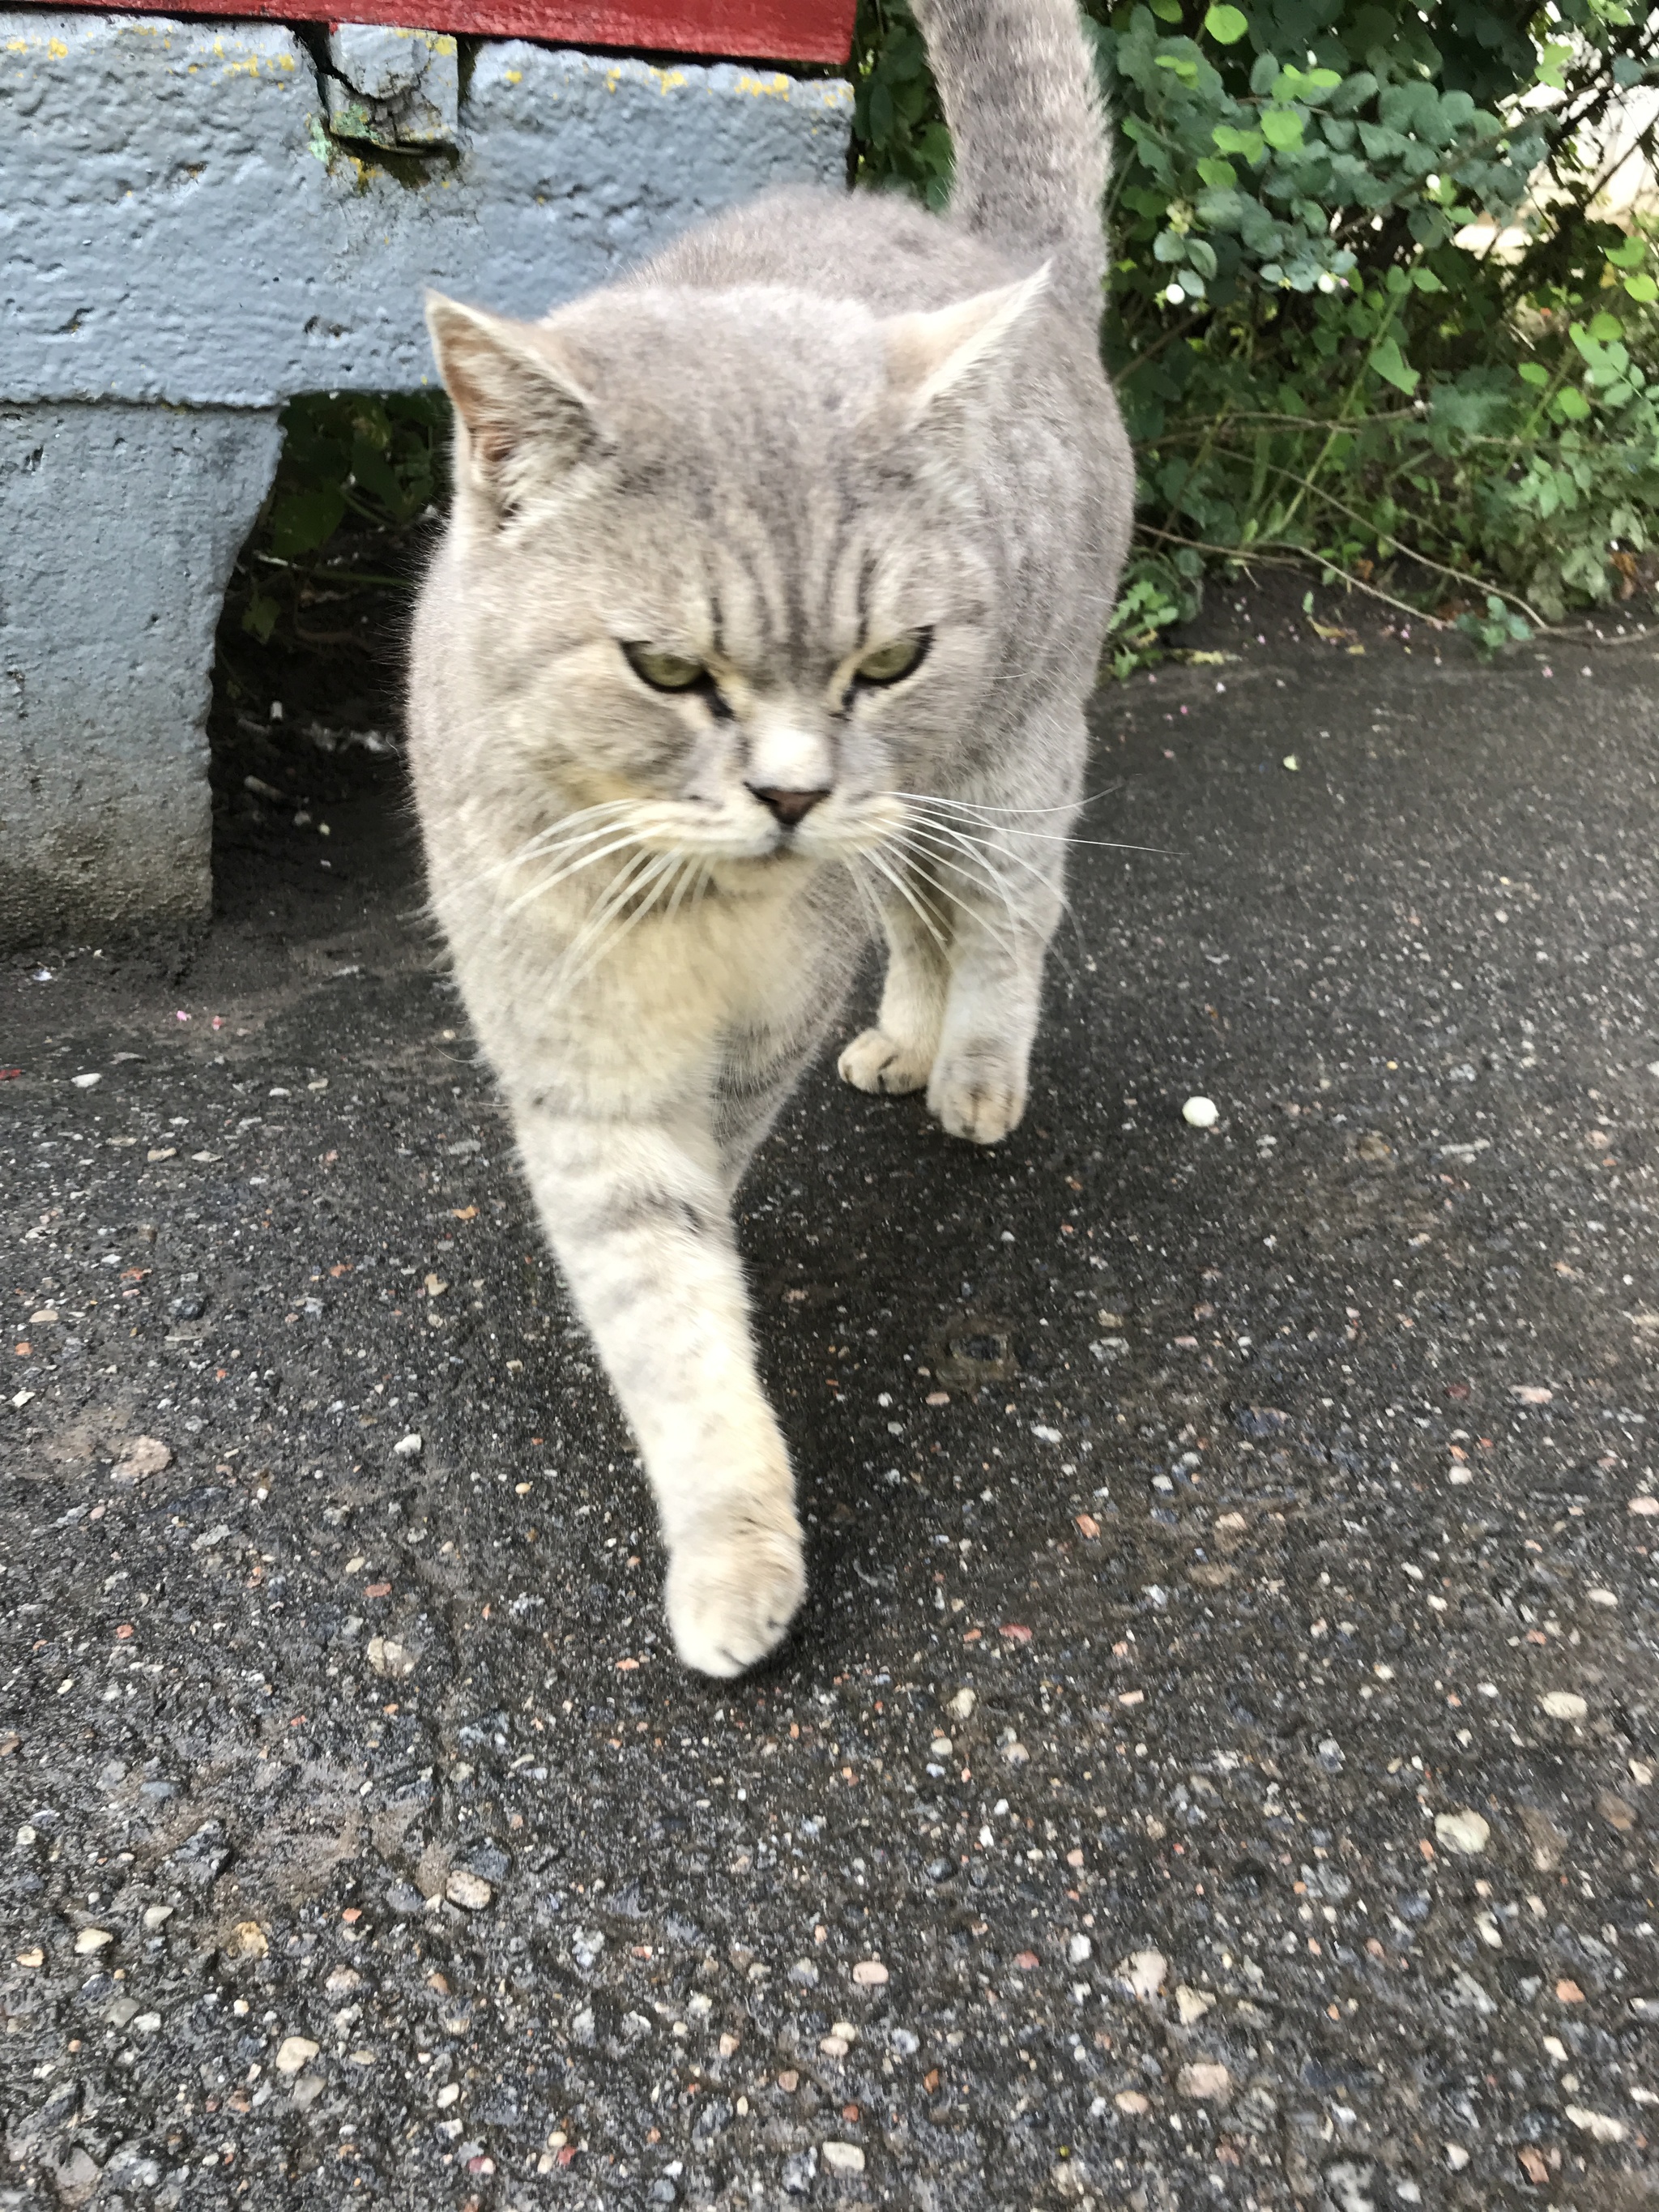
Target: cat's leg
x=636, y=1211
x=994, y=1002
x=897, y=1054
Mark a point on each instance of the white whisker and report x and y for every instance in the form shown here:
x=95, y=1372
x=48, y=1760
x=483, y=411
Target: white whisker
x=981, y=814
x=1007, y=934
x=557, y=832
x=983, y=807
x=929, y=921
x=570, y=868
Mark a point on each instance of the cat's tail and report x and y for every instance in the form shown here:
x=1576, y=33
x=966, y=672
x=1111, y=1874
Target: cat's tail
x=1018, y=81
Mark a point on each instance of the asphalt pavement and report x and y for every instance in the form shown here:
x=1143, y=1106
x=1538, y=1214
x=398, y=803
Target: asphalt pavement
x=1216, y=1764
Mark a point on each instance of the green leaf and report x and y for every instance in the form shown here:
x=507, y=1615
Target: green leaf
x=259, y=615
x=1573, y=405
x=1221, y=175
x=1282, y=128
x=1641, y=288
x=306, y=520
x=1249, y=143
x=1263, y=74
x=1167, y=11
x=1226, y=26
x=1630, y=255
x=1604, y=328
x=1391, y=364
x=1221, y=211
x=1293, y=83
x=1533, y=373
x=1426, y=280
x=1552, y=66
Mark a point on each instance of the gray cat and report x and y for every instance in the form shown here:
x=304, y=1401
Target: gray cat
x=774, y=588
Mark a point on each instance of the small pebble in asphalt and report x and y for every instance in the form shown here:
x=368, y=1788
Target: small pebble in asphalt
x=408, y=1447
x=470, y=1890
x=1206, y=2080
x=143, y=1455
x=1464, y=1831
x=293, y=2052
x=1202, y=1113
x=1144, y=1971
x=1564, y=1705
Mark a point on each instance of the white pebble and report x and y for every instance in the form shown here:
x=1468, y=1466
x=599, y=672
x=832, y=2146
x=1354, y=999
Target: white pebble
x=470, y=1890
x=293, y=2052
x=1200, y=1112
x=1600, y=2127
x=389, y=1657
x=1078, y=1949
x=1204, y=2079
x=408, y=1447
x=1464, y=1831
x=843, y=2158
x=1144, y=1971
x=1564, y=1705
x=87, y=1082
x=90, y=1940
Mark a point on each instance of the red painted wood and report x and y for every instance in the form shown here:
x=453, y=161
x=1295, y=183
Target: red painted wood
x=747, y=30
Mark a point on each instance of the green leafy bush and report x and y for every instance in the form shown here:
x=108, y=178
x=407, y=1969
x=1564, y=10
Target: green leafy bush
x=1308, y=360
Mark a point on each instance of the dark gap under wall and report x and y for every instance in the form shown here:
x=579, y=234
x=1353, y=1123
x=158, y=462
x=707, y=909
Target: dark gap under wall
x=310, y=800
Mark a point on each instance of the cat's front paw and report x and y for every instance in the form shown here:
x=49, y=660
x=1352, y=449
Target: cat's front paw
x=978, y=1096
x=876, y=1061
x=734, y=1585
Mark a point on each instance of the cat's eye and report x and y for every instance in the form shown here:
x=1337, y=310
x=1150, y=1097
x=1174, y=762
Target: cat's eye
x=664, y=671
x=893, y=662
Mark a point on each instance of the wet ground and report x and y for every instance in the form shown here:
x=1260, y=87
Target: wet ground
x=1216, y=1764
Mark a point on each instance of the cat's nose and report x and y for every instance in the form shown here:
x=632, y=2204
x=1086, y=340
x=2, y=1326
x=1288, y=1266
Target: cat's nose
x=789, y=806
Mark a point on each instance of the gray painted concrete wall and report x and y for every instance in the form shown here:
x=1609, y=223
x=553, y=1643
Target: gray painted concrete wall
x=176, y=224
x=119, y=525
x=178, y=228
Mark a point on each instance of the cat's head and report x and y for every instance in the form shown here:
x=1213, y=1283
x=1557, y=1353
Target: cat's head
x=725, y=564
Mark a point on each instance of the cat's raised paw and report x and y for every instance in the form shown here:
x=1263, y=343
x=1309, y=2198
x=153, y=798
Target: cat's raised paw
x=876, y=1061
x=978, y=1099
x=734, y=1585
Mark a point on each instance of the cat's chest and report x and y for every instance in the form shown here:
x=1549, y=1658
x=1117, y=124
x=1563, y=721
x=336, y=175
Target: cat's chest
x=734, y=964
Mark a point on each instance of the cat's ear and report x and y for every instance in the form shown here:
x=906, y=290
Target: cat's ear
x=527, y=421
x=950, y=350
